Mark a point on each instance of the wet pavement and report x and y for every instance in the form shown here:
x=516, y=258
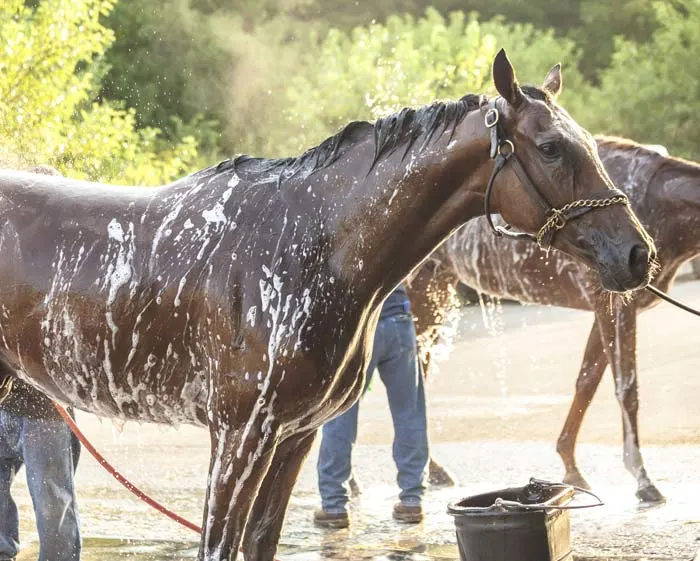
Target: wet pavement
x=496, y=406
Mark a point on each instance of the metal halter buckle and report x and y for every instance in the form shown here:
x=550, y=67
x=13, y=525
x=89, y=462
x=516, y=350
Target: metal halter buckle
x=491, y=117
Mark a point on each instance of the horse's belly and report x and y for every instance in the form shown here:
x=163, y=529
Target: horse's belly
x=98, y=375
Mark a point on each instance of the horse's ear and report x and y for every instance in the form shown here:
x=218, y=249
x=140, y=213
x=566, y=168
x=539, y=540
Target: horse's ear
x=504, y=79
x=552, y=82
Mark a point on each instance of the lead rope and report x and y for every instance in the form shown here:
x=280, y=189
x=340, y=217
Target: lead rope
x=661, y=294
x=119, y=477
x=557, y=217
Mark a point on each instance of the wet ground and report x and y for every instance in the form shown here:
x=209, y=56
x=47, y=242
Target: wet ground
x=496, y=408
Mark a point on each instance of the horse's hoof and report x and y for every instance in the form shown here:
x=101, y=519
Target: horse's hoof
x=649, y=496
x=577, y=480
x=355, y=489
x=438, y=476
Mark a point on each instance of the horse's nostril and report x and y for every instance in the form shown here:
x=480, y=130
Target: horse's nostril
x=639, y=260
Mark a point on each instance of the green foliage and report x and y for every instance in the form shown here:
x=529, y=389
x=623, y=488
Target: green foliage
x=651, y=92
x=562, y=14
x=172, y=64
x=47, y=77
x=205, y=66
x=602, y=21
x=378, y=69
x=219, y=68
x=130, y=90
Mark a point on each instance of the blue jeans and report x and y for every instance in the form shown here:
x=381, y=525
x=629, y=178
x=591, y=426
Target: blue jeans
x=50, y=453
x=394, y=355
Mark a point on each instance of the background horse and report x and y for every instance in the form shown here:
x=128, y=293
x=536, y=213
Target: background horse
x=665, y=194
x=245, y=296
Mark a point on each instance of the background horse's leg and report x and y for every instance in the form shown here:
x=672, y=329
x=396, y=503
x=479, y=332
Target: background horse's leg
x=589, y=376
x=431, y=291
x=264, y=526
x=622, y=355
x=439, y=475
x=240, y=460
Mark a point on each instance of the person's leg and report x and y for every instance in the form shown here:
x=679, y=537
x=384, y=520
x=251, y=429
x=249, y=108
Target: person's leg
x=335, y=460
x=406, y=394
x=10, y=463
x=49, y=454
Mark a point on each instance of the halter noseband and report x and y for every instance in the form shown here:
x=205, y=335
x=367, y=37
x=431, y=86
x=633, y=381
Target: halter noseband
x=503, y=151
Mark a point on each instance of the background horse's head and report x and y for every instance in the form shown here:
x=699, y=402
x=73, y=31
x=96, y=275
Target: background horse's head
x=559, y=161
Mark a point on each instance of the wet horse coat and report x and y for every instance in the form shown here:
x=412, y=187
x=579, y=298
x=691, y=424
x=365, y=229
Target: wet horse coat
x=245, y=296
x=665, y=194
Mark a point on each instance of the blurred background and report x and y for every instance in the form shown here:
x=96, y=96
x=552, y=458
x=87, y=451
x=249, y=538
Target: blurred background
x=144, y=91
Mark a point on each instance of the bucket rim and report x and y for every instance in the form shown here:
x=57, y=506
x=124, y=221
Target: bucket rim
x=501, y=506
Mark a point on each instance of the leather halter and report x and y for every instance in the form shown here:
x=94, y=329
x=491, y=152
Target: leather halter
x=503, y=151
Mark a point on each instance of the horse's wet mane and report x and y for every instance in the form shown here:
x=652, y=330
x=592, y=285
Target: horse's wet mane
x=406, y=126
x=399, y=130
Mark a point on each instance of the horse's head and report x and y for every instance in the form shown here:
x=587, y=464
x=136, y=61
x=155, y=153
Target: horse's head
x=553, y=184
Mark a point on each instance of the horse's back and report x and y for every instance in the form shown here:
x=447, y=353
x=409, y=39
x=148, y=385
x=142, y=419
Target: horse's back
x=100, y=290
x=29, y=186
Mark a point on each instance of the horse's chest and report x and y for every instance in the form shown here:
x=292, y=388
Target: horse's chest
x=339, y=377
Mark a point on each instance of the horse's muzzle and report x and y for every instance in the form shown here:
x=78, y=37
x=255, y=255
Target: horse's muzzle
x=628, y=270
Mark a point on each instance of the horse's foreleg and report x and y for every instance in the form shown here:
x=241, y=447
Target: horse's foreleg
x=592, y=368
x=622, y=354
x=267, y=516
x=239, y=462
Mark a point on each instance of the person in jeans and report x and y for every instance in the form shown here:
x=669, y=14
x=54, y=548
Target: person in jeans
x=33, y=434
x=394, y=355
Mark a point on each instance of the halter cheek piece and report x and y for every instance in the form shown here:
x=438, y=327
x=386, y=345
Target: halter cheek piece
x=503, y=151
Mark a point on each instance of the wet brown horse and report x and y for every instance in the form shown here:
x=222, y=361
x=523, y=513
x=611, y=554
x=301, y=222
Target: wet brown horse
x=243, y=297
x=665, y=195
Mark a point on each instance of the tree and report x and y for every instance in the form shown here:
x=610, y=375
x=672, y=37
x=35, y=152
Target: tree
x=202, y=67
x=651, y=92
x=48, y=67
x=601, y=22
x=378, y=69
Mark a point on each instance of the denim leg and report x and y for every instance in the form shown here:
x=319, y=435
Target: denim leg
x=400, y=373
x=334, y=465
x=10, y=463
x=49, y=455
x=335, y=460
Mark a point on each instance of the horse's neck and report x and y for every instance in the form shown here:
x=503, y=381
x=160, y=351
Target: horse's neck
x=630, y=169
x=673, y=207
x=398, y=214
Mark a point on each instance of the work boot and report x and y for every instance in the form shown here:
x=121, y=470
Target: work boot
x=331, y=520
x=409, y=514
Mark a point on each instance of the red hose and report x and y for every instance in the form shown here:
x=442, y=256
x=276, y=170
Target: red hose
x=118, y=476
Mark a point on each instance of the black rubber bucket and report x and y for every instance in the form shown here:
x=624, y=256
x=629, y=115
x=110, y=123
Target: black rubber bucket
x=529, y=523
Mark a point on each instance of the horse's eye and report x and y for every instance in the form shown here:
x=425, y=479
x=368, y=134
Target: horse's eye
x=549, y=150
